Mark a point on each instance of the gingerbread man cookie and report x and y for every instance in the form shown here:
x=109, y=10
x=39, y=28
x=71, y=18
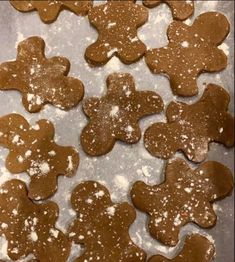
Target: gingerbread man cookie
x=191, y=51
x=39, y=79
x=32, y=149
x=197, y=248
x=181, y=10
x=115, y=116
x=185, y=196
x=49, y=10
x=117, y=22
x=102, y=226
x=30, y=228
x=190, y=128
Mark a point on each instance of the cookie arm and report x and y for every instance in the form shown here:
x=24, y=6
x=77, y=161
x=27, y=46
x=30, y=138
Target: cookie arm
x=181, y=10
x=141, y=196
x=174, y=111
x=216, y=95
x=128, y=132
x=141, y=13
x=10, y=77
x=91, y=105
x=23, y=6
x=215, y=60
x=149, y=103
x=220, y=180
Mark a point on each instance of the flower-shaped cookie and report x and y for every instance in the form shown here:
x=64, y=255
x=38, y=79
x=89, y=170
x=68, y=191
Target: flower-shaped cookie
x=117, y=22
x=102, y=226
x=197, y=248
x=30, y=228
x=191, y=51
x=190, y=128
x=49, y=10
x=185, y=196
x=39, y=79
x=115, y=116
x=181, y=9
x=32, y=149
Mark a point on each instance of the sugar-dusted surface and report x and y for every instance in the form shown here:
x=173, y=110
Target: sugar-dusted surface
x=69, y=36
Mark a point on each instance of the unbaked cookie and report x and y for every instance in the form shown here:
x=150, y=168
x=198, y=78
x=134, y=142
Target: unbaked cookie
x=191, y=127
x=181, y=9
x=185, y=196
x=115, y=116
x=39, y=79
x=49, y=10
x=117, y=22
x=32, y=149
x=102, y=226
x=191, y=51
x=197, y=248
x=30, y=228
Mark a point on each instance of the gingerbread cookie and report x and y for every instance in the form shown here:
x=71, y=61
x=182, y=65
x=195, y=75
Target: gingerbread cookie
x=185, y=196
x=117, y=32
x=191, y=51
x=102, y=226
x=30, y=228
x=115, y=116
x=49, y=10
x=181, y=10
x=190, y=128
x=197, y=248
x=39, y=79
x=32, y=149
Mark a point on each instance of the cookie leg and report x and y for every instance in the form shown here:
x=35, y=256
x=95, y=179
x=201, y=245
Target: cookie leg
x=42, y=186
x=98, y=54
x=132, y=52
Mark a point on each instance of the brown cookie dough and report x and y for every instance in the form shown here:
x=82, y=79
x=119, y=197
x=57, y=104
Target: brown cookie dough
x=115, y=116
x=197, y=248
x=102, y=226
x=30, y=228
x=181, y=9
x=190, y=128
x=185, y=196
x=32, y=149
x=39, y=79
x=49, y=10
x=191, y=51
x=117, y=22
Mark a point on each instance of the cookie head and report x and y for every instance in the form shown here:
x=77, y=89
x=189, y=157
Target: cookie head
x=88, y=196
x=117, y=32
x=39, y=79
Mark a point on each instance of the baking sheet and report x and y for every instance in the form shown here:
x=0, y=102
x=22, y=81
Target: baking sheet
x=69, y=36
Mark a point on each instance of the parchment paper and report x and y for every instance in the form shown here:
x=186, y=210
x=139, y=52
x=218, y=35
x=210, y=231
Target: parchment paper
x=69, y=36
